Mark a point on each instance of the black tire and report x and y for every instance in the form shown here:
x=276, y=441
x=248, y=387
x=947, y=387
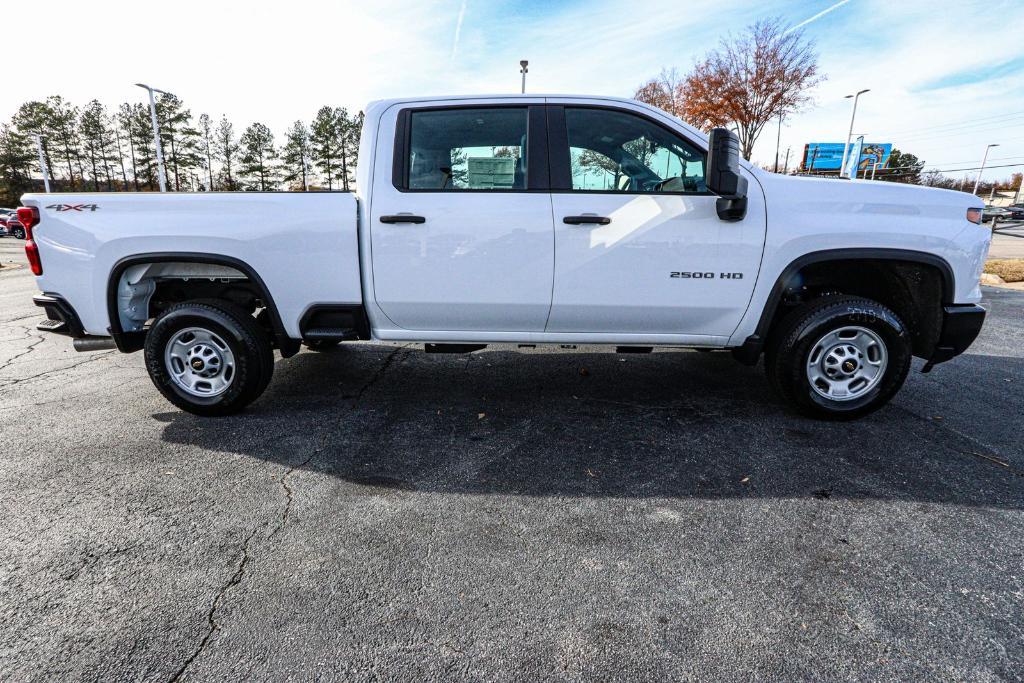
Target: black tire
x=790, y=344
x=322, y=345
x=248, y=342
x=18, y=232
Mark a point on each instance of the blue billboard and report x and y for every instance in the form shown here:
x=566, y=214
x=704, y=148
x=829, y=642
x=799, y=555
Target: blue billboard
x=828, y=156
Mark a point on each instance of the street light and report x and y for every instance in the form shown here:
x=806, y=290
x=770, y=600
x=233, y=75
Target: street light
x=842, y=167
x=522, y=69
x=42, y=160
x=156, y=134
x=982, y=169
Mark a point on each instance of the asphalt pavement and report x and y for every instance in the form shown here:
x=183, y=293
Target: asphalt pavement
x=382, y=514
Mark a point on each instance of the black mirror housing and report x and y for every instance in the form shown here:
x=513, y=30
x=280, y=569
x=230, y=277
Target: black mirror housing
x=723, y=174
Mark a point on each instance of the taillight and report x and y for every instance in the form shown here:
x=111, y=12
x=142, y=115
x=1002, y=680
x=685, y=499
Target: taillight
x=973, y=215
x=29, y=217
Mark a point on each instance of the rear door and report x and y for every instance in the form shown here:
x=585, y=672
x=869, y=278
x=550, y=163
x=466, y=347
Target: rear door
x=640, y=248
x=461, y=227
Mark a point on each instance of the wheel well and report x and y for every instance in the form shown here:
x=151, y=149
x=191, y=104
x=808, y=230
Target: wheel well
x=141, y=288
x=913, y=290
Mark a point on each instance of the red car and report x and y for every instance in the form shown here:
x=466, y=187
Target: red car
x=10, y=225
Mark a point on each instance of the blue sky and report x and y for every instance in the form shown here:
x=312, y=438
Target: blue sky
x=946, y=78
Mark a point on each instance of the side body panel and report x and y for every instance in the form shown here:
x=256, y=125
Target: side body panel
x=481, y=261
x=302, y=245
x=809, y=215
x=665, y=264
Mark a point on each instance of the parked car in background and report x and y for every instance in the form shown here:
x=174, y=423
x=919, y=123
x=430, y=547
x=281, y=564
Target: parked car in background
x=13, y=228
x=5, y=216
x=1016, y=212
x=990, y=212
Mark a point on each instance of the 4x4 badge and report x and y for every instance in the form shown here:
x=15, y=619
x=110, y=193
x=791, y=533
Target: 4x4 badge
x=73, y=207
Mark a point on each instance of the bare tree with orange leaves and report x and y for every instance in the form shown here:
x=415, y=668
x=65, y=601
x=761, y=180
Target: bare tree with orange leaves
x=745, y=83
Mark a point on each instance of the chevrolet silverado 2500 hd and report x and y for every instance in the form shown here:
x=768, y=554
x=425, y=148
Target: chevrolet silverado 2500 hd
x=531, y=220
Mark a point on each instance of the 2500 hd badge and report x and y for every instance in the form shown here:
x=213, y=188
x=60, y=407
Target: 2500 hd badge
x=695, y=275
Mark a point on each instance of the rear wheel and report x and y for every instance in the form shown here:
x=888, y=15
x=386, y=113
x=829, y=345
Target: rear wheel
x=839, y=357
x=209, y=357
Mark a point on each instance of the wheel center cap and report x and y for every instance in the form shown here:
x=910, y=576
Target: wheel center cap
x=849, y=366
x=197, y=364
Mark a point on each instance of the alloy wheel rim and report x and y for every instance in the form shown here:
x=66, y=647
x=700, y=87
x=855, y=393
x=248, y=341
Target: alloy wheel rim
x=200, y=362
x=847, y=363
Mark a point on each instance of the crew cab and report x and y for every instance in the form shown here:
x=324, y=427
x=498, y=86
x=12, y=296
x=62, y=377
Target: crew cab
x=531, y=220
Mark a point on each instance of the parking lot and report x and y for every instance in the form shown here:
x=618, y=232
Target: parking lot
x=385, y=514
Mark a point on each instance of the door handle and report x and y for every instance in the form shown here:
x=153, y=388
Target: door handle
x=586, y=219
x=403, y=218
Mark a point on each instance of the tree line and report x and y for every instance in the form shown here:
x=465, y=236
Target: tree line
x=96, y=149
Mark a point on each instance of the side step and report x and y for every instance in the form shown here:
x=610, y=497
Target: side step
x=334, y=334
x=453, y=348
x=50, y=325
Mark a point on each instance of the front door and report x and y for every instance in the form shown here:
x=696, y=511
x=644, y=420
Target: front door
x=462, y=235
x=640, y=248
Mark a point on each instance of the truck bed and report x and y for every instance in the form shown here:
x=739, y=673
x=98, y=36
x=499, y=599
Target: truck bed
x=303, y=246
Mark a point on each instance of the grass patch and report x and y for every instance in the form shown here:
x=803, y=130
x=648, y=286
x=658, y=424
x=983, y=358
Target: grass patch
x=1010, y=269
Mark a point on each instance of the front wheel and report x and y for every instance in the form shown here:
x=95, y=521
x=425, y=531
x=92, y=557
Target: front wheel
x=839, y=357
x=209, y=357
x=18, y=232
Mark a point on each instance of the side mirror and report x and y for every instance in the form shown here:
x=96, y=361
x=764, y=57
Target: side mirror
x=723, y=175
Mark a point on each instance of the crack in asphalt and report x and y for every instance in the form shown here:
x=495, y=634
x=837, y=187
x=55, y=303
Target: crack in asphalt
x=18, y=380
x=289, y=492
x=27, y=350
x=211, y=616
x=246, y=557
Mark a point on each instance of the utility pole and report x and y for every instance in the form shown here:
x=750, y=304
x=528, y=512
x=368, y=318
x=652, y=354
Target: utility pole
x=849, y=135
x=42, y=161
x=778, y=139
x=156, y=134
x=1020, y=188
x=785, y=170
x=982, y=169
x=523, y=63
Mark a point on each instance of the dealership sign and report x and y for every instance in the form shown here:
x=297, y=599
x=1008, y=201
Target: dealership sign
x=828, y=156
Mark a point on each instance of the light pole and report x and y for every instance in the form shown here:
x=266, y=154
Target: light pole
x=785, y=169
x=523, y=70
x=778, y=139
x=853, y=115
x=982, y=169
x=156, y=134
x=42, y=161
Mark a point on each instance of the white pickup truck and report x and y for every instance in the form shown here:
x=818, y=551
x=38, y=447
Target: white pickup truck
x=527, y=220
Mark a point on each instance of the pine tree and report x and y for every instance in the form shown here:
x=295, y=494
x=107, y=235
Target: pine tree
x=179, y=139
x=93, y=127
x=124, y=121
x=226, y=148
x=63, y=126
x=34, y=118
x=294, y=155
x=324, y=142
x=258, y=154
x=353, y=131
x=206, y=131
x=16, y=159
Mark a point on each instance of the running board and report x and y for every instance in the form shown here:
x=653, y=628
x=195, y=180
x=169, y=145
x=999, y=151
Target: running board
x=332, y=334
x=453, y=348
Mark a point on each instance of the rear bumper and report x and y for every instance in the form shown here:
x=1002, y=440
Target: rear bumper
x=960, y=327
x=61, y=317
